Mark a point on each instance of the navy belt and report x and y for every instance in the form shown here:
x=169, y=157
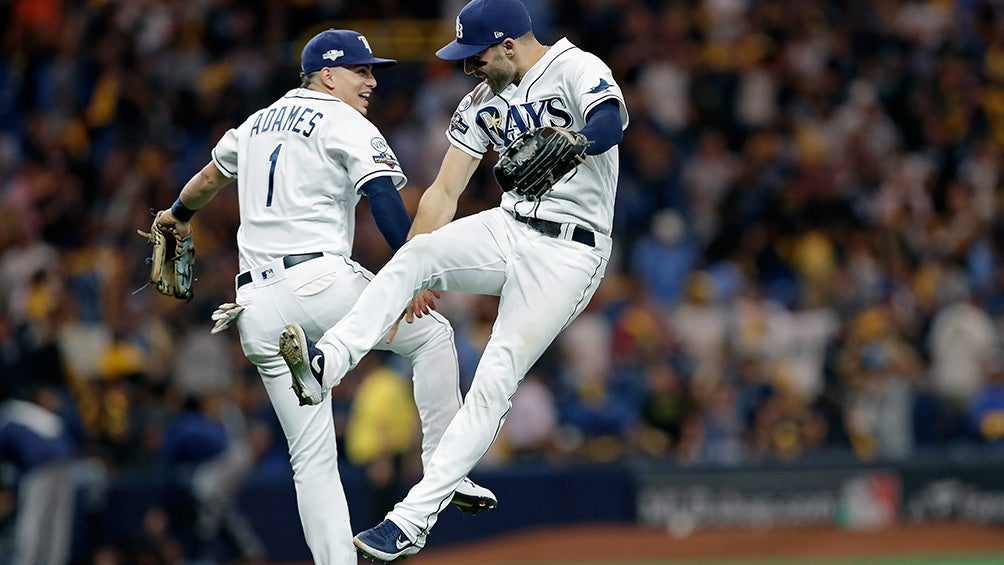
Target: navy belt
x=553, y=229
x=287, y=262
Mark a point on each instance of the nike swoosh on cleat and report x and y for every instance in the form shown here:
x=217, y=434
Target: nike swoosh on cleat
x=402, y=544
x=315, y=363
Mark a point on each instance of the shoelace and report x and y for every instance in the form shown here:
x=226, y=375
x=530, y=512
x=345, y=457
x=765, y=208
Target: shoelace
x=389, y=530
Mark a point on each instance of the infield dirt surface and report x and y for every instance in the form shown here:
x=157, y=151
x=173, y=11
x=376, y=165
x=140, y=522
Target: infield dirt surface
x=626, y=543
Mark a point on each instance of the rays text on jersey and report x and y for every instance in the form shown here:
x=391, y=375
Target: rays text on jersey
x=504, y=126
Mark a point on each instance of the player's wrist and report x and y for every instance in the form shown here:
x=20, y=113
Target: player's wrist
x=181, y=212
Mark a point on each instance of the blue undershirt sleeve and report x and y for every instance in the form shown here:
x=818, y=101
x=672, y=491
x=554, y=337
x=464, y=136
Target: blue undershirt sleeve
x=388, y=210
x=603, y=127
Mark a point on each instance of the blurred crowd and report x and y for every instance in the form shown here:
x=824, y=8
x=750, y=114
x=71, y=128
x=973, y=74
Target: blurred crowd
x=807, y=235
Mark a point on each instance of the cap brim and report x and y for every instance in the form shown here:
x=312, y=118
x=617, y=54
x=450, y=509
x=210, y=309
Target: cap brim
x=379, y=63
x=376, y=62
x=454, y=51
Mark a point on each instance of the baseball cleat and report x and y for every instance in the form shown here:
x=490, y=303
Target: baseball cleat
x=305, y=362
x=385, y=542
x=472, y=498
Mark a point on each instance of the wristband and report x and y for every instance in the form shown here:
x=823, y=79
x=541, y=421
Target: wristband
x=181, y=212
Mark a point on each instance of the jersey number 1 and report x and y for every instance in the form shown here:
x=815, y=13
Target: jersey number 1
x=273, y=159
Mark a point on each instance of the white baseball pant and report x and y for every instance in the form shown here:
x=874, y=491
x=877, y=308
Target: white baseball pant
x=543, y=282
x=316, y=294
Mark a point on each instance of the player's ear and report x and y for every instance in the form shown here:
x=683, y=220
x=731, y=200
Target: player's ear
x=328, y=77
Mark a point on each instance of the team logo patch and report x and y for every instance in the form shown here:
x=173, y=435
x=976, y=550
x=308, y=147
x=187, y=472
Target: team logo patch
x=457, y=123
x=603, y=85
x=384, y=155
x=386, y=159
x=333, y=54
x=466, y=102
x=491, y=120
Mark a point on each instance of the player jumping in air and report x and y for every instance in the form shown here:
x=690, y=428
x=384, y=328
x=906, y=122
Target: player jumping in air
x=544, y=258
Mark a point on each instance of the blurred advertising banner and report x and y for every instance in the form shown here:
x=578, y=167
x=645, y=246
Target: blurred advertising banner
x=852, y=498
x=944, y=488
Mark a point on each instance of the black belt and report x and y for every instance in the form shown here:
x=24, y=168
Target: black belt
x=287, y=262
x=553, y=229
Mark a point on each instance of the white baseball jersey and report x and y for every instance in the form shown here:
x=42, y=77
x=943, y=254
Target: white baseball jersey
x=559, y=90
x=299, y=157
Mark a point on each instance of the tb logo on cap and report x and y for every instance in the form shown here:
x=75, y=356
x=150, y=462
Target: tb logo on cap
x=366, y=44
x=460, y=29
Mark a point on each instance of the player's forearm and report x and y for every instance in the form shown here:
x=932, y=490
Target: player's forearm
x=435, y=209
x=203, y=186
x=439, y=202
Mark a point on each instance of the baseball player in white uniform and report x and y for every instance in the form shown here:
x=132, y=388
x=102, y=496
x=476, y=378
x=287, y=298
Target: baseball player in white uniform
x=303, y=163
x=544, y=259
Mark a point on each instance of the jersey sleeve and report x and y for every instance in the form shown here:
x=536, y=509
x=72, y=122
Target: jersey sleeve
x=225, y=154
x=365, y=154
x=593, y=83
x=462, y=132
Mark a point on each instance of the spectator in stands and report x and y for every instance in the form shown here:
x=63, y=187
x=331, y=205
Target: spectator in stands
x=986, y=409
x=663, y=259
x=665, y=405
x=207, y=454
x=382, y=432
x=785, y=426
x=962, y=336
x=37, y=443
x=723, y=434
x=700, y=321
x=879, y=369
x=708, y=175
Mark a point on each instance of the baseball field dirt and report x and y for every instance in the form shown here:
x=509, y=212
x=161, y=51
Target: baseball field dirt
x=624, y=544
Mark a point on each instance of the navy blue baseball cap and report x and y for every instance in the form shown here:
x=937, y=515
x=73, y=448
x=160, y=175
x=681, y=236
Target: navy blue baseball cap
x=338, y=47
x=483, y=23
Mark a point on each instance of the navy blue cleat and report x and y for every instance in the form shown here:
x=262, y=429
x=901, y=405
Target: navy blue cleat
x=305, y=362
x=385, y=542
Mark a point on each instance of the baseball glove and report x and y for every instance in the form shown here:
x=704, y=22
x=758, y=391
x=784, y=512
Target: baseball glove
x=172, y=260
x=538, y=158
